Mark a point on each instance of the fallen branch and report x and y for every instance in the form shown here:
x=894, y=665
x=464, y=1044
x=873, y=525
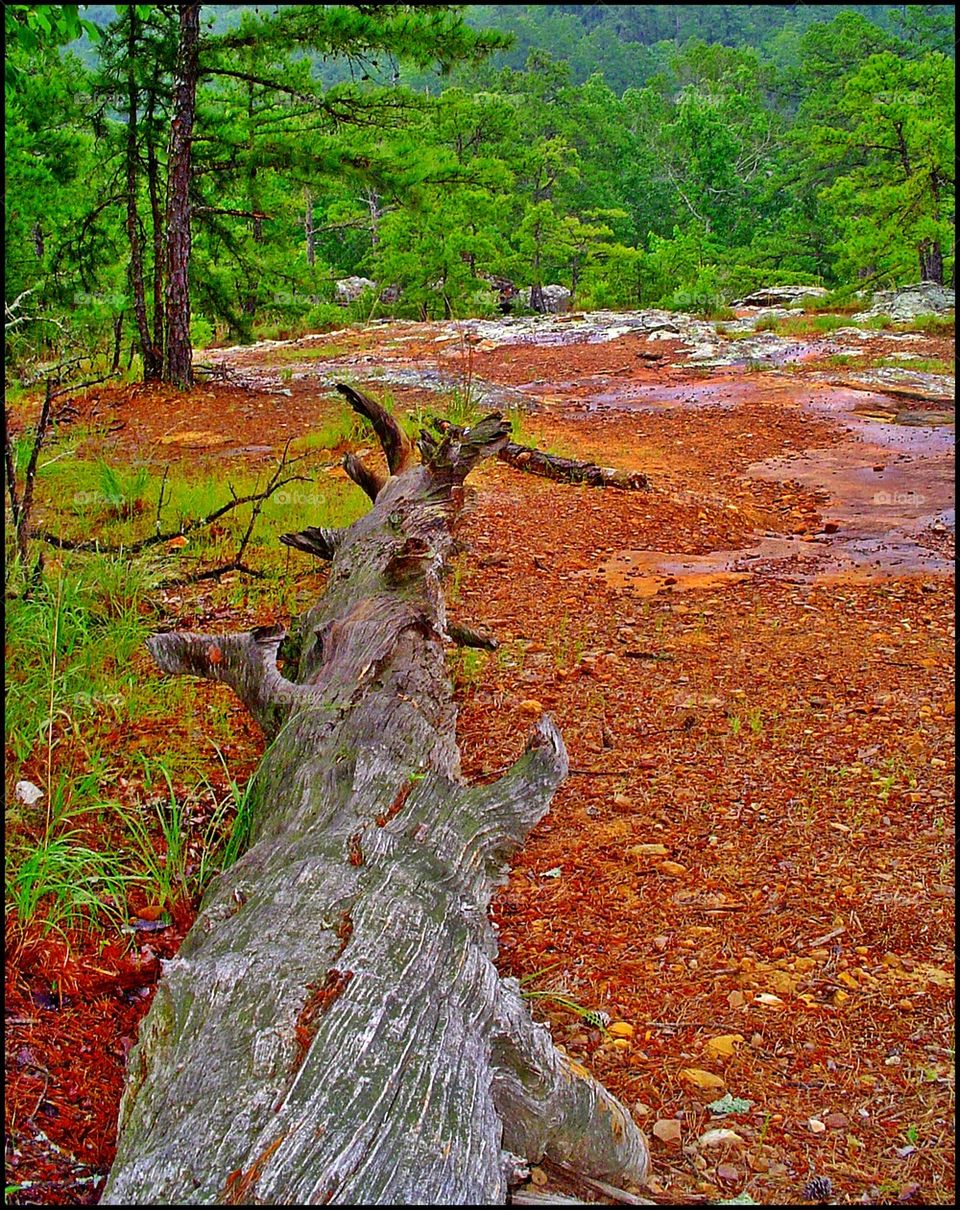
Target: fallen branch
x=622, y=1196
x=553, y=466
x=569, y=470
x=464, y=636
x=133, y=548
x=213, y=573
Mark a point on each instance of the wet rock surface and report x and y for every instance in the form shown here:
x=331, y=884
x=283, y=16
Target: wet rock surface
x=874, y=444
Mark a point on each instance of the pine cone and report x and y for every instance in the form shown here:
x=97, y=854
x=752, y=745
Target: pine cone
x=818, y=1189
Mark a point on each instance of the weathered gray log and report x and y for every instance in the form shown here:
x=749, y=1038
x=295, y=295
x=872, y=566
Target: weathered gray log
x=333, y=1029
x=556, y=466
x=570, y=470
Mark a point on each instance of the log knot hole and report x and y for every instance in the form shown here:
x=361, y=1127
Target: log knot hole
x=408, y=560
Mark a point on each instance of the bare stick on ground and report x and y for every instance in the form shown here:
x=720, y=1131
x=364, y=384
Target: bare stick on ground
x=334, y=1030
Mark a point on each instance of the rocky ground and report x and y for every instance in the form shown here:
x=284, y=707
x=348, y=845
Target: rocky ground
x=749, y=869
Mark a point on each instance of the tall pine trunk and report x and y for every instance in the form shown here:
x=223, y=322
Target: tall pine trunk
x=931, y=261
x=159, y=245
x=178, y=354
x=308, y=230
x=151, y=356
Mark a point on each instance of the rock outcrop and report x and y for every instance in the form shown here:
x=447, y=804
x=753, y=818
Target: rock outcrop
x=349, y=289
x=778, y=296
x=556, y=299
x=922, y=298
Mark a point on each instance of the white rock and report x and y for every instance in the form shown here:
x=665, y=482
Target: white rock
x=922, y=298
x=348, y=289
x=26, y=792
x=720, y=1138
x=772, y=296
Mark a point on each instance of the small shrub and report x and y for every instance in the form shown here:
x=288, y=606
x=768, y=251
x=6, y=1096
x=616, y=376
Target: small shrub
x=201, y=331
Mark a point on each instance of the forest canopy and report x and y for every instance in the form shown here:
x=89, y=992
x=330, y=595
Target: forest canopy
x=636, y=155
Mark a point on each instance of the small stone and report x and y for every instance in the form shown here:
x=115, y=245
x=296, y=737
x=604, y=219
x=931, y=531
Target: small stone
x=27, y=793
x=728, y=1174
x=836, y=1121
x=671, y=869
x=720, y=1137
x=667, y=1130
x=648, y=850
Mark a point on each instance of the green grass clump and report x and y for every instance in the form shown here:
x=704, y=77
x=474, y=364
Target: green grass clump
x=346, y=428
x=930, y=325
x=73, y=885
x=924, y=365
x=802, y=325
x=310, y=353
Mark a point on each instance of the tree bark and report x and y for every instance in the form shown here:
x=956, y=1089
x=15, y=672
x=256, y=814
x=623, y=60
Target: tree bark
x=117, y=342
x=931, y=261
x=159, y=238
x=178, y=353
x=308, y=229
x=152, y=362
x=334, y=1030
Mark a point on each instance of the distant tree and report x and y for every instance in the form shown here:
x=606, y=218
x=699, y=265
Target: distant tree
x=213, y=138
x=894, y=138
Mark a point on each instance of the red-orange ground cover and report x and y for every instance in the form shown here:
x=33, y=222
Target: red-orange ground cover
x=755, y=842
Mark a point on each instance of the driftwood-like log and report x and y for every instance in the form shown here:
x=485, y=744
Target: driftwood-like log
x=555, y=466
x=570, y=470
x=333, y=1029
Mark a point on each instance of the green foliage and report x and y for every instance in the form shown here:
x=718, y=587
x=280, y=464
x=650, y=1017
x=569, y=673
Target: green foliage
x=637, y=156
x=201, y=331
x=894, y=138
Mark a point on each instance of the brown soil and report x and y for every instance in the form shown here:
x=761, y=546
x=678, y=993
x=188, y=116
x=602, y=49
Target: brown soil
x=785, y=739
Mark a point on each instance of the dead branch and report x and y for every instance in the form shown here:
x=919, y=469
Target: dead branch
x=133, y=548
x=22, y=506
x=397, y=446
x=553, y=466
x=363, y=476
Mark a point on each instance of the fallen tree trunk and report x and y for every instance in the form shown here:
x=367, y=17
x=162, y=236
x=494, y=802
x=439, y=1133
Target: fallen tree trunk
x=333, y=1029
